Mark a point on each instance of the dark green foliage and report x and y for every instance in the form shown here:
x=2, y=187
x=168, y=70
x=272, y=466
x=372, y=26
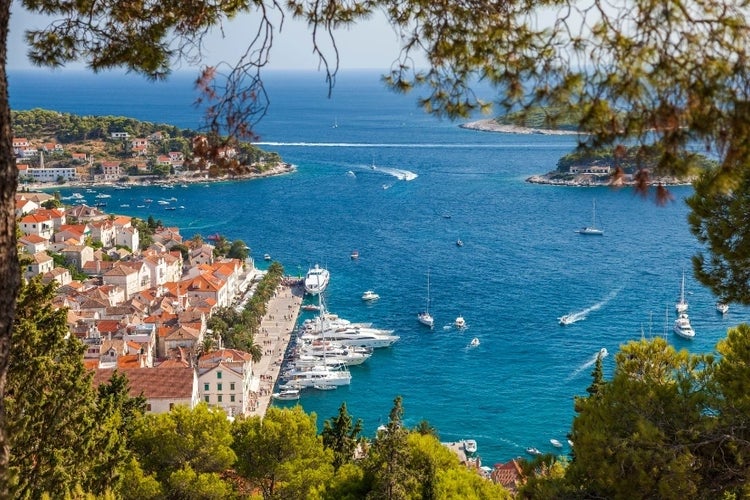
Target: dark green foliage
x=341, y=435
x=387, y=463
x=62, y=435
x=632, y=159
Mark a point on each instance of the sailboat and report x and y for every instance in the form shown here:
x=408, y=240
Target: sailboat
x=681, y=306
x=592, y=229
x=425, y=317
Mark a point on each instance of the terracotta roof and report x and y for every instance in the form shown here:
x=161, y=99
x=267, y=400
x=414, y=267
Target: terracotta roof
x=507, y=474
x=174, y=383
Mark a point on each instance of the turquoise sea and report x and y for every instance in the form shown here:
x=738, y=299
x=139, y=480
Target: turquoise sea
x=521, y=267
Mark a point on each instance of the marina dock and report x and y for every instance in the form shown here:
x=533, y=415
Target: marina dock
x=276, y=329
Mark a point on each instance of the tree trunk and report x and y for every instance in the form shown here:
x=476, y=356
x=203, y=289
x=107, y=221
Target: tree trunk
x=9, y=270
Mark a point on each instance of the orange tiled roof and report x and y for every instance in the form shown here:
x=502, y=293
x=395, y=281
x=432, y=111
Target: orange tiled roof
x=174, y=383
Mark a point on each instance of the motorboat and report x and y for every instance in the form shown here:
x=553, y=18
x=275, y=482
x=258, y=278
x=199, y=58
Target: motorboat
x=555, y=443
x=681, y=306
x=319, y=374
x=470, y=446
x=459, y=242
x=592, y=229
x=316, y=280
x=354, y=255
x=474, y=342
x=722, y=308
x=310, y=307
x=603, y=353
x=354, y=336
x=286, y=395
x=266, y=256
x=533, y=451
x=425, y=317
x=682, y=326
x=566, y=319
x=460, y=322
x=370, y=295
x=324, y=387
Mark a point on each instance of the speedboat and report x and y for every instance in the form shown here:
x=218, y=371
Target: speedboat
x=354, y=255
x=459, y=243
x=324, y=387
x=533, y=451
x=470, y=446
x=722, y=308
x=316, y=375
x=370, y=295
x=474, y=342
x=682, y=327
x=310, y=307
x=286, y=395
x=316, y=280
x=566, y=319
x=266, y=256
x=460, y=322
x=555, y=443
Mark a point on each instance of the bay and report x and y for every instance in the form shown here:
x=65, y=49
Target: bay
x=521, y=267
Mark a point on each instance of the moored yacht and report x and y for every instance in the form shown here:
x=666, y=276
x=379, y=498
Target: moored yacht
x=682, y=327
x=319, y=374
x=425, y=317
x=316, y=280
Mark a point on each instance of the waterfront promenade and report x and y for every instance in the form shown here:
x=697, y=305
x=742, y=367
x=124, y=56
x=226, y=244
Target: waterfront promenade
x=276, y=329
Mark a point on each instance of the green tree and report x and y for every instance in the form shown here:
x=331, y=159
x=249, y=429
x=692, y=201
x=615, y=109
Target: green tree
x=635, y=436
x=282, y=455
x=62, y=436
x=186, y=483
x=387, y=462
x=238, y=250
x=341, y=435
x=167, y=443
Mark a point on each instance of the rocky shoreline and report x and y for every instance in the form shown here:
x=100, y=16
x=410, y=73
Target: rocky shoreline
x=186, y=178
x=490, y=125
x=588, y=180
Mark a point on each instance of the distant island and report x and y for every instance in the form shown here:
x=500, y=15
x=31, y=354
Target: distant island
x=55, y=149
x=588, y=167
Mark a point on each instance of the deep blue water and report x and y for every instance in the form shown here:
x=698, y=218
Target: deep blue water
x=522, y=265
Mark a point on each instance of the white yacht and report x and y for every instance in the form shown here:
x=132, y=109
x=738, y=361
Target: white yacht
x=370, y=295
x=286, y=395
x=592, y=229
x=355, y=336
x=722, y=307
x=682, y=327
x=425, y=317
x=460, y=322
x=319, y=374
x=316, y=280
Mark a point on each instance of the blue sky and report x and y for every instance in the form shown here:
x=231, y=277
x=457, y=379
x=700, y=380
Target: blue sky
x=372, y=44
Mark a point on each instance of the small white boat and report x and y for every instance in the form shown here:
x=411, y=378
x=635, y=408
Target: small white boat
x=555, y=443
x=350, y=173
x=459, y=242
x=460, y=322
x=566, y=319
x=354, y=255
x=324, y=387
x=474, y=342
x=316, y=280
x=310, y=307
x=722, y=308
x=683, y=328
x=266, y=256
x=570, y=442
x=286, y=395
x=603, y=352
x=425, y=317
x=592, y=229
x=369, y=295
x=470, y=446
x=533, y=451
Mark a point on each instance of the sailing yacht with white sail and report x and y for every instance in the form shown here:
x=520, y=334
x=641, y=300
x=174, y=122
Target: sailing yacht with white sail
x=681, y=306
x=592, y=229
x=425, y=317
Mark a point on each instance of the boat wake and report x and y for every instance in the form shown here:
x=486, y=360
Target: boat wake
x=581, y=315
x=590, y=362
x=402, y=175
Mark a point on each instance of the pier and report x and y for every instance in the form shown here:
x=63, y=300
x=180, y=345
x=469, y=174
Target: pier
x=276, y=329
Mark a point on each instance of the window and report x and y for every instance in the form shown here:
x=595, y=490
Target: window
x=218, y=374
x=148, y=407
x=218, y=398
x=205, y=398
x=231, y=398
x=218, y=386
x=206, y=387
x=231, y=386
x=171, y=405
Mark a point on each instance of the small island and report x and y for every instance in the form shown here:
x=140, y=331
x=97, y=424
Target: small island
x=590, y=167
